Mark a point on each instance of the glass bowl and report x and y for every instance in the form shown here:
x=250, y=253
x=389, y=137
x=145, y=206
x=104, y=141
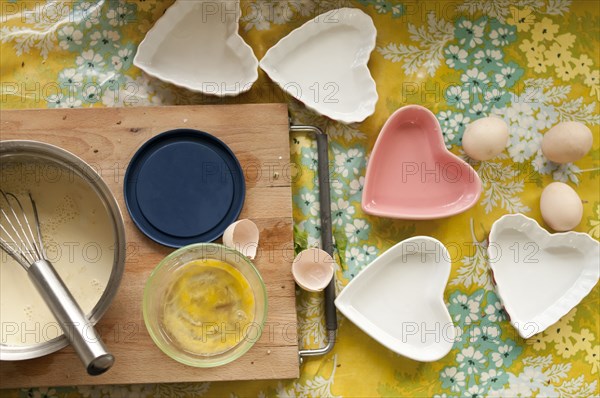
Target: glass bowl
x=155, y=295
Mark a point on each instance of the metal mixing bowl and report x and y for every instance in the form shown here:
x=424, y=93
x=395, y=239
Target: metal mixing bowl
x=19, y=150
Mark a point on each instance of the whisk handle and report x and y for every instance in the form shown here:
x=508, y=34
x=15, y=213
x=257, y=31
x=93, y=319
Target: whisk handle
x=78, y=329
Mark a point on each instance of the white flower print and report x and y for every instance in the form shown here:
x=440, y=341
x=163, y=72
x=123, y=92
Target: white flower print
x=383, y=7
x=120, y=15
x=345, y=162
x=542, y=377
x=88, y=11
x=69, y=36
x=505, y=74
x=337, y=186
x=477, y=110
x=356, y=185
x=55, y=100
x=496, y=394
x=71, y=102
x=471, y=360
x=476, y=33
x=503, y=352
x=541, y=164
x=108, y=38
x=90, y=61
x=518, y=388
x=310, y=158
x=456, y=56
x=493, y=312
x=131, y=92
x=62, y=101
x=357, y=230
x=90, y=94
x=487, y=57
x=500, y=36
x=475, y=80
x=566, y=172
x=470, y=308
x=489, y=331
x=355, y=255
x=545, y=119
x=475, y=391
x=341, y=212
x=310, y=203
x=262, y=13
x=490, y=375
x=547, y=391
x=70, y=77
x=445, y=117
x=458, y=97
x=455, y=377
x=523, y=145
x=521, y=113
x=519, y=151
x=519, y=132
x=370, y=253
x=533, y=377
x=492, y=96
x=449, y=135
x=258, y=16
x=124, y=55
x=534, y=143
x=459, y=121
x=447, y=131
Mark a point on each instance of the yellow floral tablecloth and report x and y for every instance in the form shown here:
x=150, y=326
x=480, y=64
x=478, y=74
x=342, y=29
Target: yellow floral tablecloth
x=538, y=59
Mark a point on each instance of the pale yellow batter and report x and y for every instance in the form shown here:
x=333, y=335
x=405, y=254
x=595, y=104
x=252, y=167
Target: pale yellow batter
x=79, y=240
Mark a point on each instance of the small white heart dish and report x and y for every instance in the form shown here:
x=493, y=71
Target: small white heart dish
x=323, y=63
x=540, y=276
x=196, y=45
x=398, y=300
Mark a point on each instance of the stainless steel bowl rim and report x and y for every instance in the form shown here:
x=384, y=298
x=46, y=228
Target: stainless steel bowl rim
x=85, y=171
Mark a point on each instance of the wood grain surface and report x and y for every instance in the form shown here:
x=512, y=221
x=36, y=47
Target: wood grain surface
x=107, y=138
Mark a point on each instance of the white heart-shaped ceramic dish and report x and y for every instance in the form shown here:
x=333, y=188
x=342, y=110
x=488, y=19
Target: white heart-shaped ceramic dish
x=398, y=300
x=323, y=63
x=540, y=276
x=196, y=45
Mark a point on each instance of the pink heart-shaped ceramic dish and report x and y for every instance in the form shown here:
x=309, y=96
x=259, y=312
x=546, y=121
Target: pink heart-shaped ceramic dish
x=412, y=176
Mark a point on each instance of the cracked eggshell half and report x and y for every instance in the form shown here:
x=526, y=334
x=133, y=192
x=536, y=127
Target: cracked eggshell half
x=242, y=236
x=313, y=269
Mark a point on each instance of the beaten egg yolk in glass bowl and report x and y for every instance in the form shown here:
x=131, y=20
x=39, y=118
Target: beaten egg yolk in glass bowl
x=205, y=305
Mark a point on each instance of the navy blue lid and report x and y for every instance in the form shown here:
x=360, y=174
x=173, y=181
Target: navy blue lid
x=184, y=186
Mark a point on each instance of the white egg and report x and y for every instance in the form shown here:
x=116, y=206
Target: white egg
x=567, y=142
x=485, y=138
x=561, y=207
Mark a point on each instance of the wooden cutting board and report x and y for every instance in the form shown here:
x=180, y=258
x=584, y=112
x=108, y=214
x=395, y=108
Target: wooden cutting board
x=107, y=138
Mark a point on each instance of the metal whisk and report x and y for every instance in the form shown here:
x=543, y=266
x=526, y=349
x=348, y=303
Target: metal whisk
x=24, y=244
